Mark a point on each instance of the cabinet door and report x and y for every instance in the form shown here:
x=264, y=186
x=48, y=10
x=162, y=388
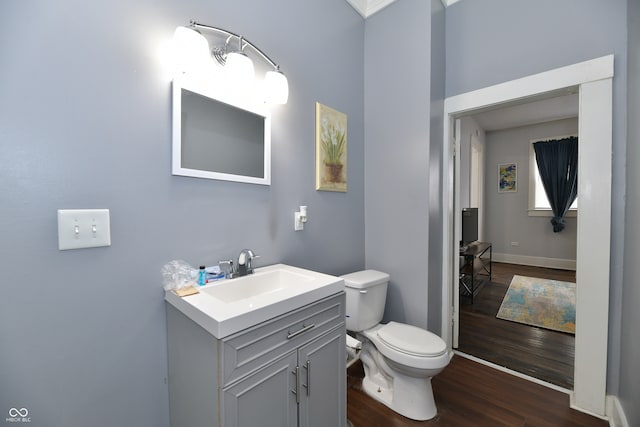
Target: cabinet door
x=323, y=388
x=265, y=398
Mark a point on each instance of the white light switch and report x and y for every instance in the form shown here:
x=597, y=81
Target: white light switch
x=83, y=228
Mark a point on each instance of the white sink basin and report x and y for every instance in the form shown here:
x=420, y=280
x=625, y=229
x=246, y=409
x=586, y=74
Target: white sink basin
x=258, y=285
x=231, y=305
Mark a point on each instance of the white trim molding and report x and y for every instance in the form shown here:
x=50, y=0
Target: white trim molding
x=535, y=261
x=617, y=417
x=572, y=213
x=536, y=84
x=593, y=79
x=366, y=8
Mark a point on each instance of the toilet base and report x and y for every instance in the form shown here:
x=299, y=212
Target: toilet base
x=413, y=399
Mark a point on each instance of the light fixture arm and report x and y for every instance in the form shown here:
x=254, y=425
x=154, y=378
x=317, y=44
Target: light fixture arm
x=242, y=40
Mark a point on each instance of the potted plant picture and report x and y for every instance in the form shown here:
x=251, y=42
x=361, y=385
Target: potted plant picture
x=331, y=149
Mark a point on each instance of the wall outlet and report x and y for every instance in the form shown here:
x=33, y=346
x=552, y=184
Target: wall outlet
x=83, y=228
x=515, y=243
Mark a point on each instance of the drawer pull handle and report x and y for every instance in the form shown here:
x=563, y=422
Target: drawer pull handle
x=296, y=372
x=308, y=384
x=300, y=331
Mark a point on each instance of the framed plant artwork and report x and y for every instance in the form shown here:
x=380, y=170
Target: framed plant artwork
x=507, y=178
x=331, y=149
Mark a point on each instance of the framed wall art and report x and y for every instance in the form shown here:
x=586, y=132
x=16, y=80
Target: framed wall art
x=331, y=149
x=507, y=178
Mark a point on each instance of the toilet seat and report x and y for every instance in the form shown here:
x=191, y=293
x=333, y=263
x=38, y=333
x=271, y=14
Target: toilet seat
x=401, y=358
x=411, y=340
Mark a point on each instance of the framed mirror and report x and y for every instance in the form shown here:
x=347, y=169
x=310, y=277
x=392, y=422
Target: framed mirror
x=219, y=136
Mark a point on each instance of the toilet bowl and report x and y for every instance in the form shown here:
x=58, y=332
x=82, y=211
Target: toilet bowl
x=399, y=360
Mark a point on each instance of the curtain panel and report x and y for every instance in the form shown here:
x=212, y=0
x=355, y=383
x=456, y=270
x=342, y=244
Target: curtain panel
x=558, y=166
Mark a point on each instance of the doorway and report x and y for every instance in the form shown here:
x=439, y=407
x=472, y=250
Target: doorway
x=521, y=238
x=593, y=79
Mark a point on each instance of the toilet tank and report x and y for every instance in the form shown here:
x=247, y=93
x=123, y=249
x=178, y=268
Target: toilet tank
x=366, y=294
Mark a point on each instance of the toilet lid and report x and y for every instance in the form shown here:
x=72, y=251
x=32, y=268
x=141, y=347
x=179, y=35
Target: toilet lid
x=411, y=340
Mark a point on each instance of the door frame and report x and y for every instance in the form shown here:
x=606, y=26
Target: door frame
x=476, y=189
x=593, y=79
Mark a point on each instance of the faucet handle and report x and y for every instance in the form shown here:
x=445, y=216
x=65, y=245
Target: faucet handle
x=227, y=267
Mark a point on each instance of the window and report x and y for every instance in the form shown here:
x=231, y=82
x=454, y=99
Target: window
x=538, y=202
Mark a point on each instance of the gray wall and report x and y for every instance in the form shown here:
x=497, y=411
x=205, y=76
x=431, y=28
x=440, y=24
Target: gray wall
x=507, y=219
x=397, y=100
x=438, y=75
x=493, y=41
x=630, y=354
x=85, y=123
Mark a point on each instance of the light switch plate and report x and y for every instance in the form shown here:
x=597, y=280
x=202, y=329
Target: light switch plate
x=83, y=228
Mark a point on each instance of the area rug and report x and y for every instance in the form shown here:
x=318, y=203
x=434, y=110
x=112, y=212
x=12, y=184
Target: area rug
x=549, y=304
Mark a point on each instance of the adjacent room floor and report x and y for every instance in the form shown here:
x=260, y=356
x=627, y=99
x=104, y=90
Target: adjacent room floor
x=541, y=353
x=469, y=394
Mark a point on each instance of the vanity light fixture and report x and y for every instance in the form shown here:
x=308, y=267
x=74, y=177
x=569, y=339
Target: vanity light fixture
x=189, y=43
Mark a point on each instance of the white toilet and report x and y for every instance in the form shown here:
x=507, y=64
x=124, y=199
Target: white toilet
x=399, y=360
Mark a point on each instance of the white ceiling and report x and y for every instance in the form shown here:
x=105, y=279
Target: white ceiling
x=529, y=112
x=366, y=8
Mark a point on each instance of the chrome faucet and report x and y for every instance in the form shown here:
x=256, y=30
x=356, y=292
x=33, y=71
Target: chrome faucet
x=245, y=259
x=244, y=266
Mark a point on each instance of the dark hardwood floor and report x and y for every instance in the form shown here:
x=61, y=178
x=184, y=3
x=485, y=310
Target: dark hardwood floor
x=541, y=353
x=469, y=394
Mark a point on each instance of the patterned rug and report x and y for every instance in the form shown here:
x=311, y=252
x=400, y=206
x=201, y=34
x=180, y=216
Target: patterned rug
x=549, y=304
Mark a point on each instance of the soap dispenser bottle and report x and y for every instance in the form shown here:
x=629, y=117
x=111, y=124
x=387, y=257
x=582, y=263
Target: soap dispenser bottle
x=202, y=276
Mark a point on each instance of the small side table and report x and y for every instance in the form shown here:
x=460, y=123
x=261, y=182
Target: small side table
x=475, y=263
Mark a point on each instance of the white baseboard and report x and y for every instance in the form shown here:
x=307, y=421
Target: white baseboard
x=617, y=417
x=558, y=263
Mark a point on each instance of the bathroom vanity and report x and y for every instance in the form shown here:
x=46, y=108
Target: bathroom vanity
x=284, y=371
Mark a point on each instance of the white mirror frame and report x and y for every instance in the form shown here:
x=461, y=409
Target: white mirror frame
x=210, y=91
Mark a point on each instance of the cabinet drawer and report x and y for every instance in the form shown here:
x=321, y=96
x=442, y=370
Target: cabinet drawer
x=246, y=351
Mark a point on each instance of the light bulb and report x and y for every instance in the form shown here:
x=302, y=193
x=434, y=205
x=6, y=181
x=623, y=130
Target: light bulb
x=239, y=67
x=191, y=50
x=276, y=88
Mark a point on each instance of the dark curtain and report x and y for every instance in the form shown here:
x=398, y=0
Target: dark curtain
x=558, y=166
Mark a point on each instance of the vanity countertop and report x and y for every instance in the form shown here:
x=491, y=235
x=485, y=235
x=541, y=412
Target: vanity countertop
x=228, y=306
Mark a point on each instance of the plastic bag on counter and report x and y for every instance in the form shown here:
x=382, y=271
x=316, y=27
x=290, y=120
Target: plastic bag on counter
x=177, y=274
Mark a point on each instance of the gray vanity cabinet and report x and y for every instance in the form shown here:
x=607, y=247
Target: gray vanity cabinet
x=323, y=394
x=286, y=372
x=264, y=398
x=304, y=388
